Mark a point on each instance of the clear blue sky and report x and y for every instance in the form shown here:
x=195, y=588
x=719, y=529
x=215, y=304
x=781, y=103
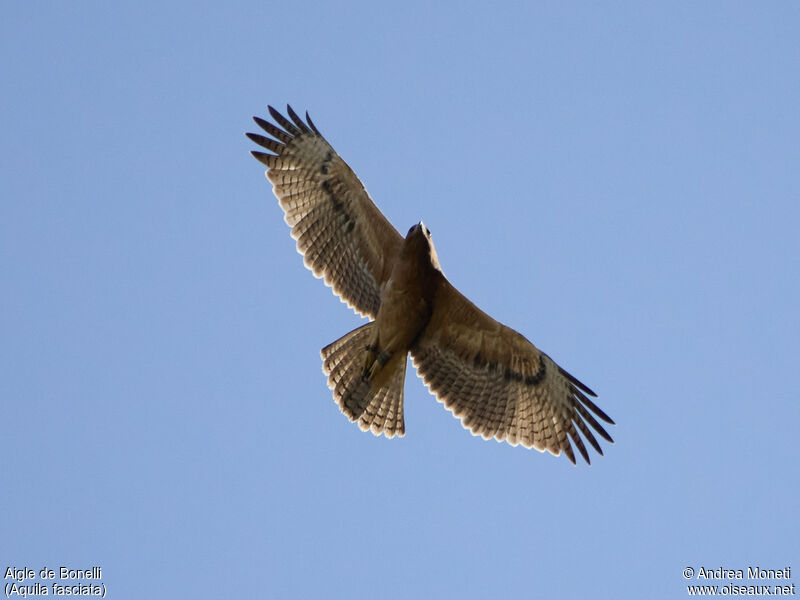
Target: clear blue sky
x=618, y=182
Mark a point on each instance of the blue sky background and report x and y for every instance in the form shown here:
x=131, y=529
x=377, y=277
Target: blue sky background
x=619, y=182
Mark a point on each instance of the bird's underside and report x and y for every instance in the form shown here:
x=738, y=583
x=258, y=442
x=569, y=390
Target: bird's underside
x=489, y=376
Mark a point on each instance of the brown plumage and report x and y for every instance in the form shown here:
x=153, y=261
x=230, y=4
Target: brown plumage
x=489, y=376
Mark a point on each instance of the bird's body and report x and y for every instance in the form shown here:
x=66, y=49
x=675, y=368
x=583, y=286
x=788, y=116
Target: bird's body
x=407, y=297
x=492, y=378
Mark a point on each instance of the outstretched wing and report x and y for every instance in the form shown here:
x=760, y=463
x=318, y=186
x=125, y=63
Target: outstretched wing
x=341, y=234
x=499, y=384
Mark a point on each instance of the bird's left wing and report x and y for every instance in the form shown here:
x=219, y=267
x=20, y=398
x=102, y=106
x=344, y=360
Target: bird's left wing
x=499, y=384
x=341, y=234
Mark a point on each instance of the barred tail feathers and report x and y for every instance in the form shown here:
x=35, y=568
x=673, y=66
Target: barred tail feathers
x=376, y=403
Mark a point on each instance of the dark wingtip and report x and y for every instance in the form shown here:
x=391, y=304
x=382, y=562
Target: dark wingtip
x=597, y=410
x=576, y=382
x=311, y=124
x=266, y=142
x=297, y=120
x=592, y=406
x=581, y=446
x=262, y=157
x=290, y=127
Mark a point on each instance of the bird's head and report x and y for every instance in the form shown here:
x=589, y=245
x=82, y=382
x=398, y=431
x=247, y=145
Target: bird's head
x=420, y=236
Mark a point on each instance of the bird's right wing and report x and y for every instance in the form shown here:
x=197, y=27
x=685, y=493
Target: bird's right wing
x=499, y=384
x=341, y=234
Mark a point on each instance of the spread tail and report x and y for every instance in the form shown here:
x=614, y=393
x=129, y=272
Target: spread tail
x=368, y=389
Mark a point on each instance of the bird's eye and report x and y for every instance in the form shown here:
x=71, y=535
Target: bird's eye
x=412, y=229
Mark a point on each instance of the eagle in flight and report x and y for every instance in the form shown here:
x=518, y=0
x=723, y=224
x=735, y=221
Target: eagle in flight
x=489, y=376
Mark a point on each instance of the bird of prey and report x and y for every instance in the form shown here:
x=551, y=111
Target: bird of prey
x=489, y=376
